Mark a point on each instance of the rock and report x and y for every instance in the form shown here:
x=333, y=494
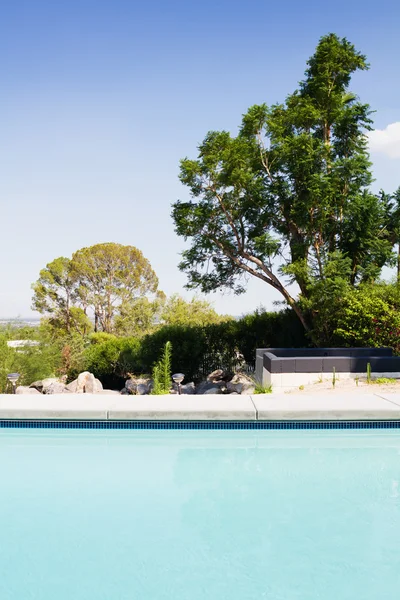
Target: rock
x=124, y=392
x=213, y=390
x=188, y=388
x=219, y=375
x=131, y=386
x=234, y=388
x=138, y=386
x=23, y=389
x=71, y=387
x=204, y=386
x=56, y=387
x=37, y=385
x=86, y=384
x=242, y=384
x=45, y=383
x=215, y=376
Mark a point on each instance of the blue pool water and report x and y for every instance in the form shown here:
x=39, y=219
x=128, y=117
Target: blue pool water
x=199, y=515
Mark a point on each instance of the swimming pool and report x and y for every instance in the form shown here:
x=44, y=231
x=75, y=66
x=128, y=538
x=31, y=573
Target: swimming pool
x=196, y=515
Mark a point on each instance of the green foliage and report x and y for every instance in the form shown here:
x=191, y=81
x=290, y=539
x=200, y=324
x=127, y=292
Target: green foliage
x=196, y=312
x=32, y=362
x=38, y=363
x=157, y=389
x=384, y=380
x=7, y=362
x=112, y=361
x=189, y=345
x=333, y=377
x=293, y=190
x=162, y=374
x=16, y=331
x=366, y=316
x=196, y=348
x=263, y=389
x=137, y=317
x=368, y=372
x=100, y=279
x=100, y=337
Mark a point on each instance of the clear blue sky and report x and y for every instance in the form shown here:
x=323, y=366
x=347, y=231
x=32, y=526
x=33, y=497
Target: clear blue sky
x=99, y=101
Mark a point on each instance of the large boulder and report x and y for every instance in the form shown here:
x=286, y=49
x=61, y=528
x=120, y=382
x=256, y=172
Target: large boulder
x=205, y=386
x=71, y=387
x=44, y=383
x=86, y=383
x=219, y=375
x=37, y=385
x=23, y=389
x=56, y=387
x=241, y=384
x=138, y=386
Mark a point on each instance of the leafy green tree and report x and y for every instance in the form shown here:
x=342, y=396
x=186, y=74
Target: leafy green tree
x=368, y=315
x=288, y=200
x=393, y=224
x=100, y=281
x=56, y=292
x=110, y=275
x=177, y=311
x=139, y=316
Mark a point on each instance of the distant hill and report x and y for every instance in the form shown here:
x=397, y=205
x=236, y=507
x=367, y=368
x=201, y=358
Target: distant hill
x=20, y=322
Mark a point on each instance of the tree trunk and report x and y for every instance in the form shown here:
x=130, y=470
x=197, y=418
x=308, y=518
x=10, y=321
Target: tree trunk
x=398, y=263
x=294, y=306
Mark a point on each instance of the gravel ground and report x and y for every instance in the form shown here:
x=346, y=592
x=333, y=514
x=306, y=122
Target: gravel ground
x=347, y=385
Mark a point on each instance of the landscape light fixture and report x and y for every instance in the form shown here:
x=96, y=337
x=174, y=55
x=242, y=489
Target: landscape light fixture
x=178, y=378
x=13, y=378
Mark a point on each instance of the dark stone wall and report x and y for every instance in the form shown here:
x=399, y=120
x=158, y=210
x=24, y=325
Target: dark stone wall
x=324, y=360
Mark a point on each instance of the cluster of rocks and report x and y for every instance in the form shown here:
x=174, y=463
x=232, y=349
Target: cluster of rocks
x=86, y=383
x=218, y=382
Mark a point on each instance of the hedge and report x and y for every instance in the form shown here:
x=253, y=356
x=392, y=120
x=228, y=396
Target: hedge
x=195, y=350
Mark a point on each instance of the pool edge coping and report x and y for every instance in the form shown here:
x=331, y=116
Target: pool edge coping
x=377, y=406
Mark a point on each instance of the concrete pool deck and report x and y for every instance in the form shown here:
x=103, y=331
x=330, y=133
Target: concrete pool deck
x=264, y=407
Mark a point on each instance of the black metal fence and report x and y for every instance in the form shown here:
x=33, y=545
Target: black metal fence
x=212, y=362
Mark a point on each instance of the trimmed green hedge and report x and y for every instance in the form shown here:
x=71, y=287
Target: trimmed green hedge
x=195, y=350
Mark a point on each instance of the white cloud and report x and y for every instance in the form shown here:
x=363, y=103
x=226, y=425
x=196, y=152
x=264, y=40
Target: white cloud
x=386, y=141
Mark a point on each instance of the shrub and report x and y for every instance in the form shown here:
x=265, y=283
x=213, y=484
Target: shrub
x=369, y=316
x=100, y=337
x=189, y=344
x=162, y=376
x=198, y=350
x=7, y=362
x=112, y=360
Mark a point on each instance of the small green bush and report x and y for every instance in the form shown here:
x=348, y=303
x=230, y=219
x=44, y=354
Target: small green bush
x=162, y=375
x=384, y=380
x=263, y=389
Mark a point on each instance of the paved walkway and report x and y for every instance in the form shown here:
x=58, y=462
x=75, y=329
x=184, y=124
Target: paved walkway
x=268, y=407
